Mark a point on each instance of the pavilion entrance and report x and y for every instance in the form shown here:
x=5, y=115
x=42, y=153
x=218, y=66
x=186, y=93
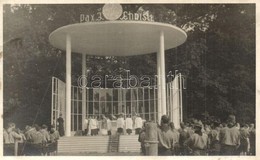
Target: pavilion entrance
x=113, y=101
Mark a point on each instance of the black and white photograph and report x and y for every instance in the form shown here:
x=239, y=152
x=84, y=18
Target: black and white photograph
x=129, y=79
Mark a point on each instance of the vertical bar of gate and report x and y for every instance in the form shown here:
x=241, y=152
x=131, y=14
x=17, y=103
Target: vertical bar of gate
x=143, y=110
x=180, y=78
x=56, y=100
x=52, y=79
x=149, y=100
x=155, y=105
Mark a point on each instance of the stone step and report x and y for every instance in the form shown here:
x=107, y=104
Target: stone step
x=98, y=144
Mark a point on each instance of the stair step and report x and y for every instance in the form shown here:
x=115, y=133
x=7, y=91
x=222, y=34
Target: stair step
x=99, y=144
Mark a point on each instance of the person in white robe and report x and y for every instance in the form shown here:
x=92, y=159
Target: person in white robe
x=138, y=124
x=129, y=124
x=120, y=124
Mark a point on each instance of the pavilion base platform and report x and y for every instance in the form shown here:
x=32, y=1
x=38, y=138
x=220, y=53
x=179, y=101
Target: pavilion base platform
x=82, y=145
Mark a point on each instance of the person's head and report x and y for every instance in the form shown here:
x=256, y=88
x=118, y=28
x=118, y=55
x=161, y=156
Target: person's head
x=215, y=124
x=37, y=127
x=44, y=126
x=172, y=125
x=182, y=124
x=11, y=125
x=165, y=119
x=244, y=125
x=197, y=127
x=231, y=120
x=60, y=115
x=27, y=128
x=252, y=125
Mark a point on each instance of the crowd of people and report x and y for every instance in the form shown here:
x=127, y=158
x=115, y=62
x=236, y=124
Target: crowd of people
x=34, y=140
x=192, y=138
x=196, y=138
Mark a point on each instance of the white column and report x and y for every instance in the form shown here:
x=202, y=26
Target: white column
x=68, y=87
x=84, y=96
x=159, y=99
x=162, y=67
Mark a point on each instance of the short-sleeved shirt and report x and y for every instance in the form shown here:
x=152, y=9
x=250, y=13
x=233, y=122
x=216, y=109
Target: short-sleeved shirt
x=138, y=122
x=13, y=135
x=120, y=122
x=184, y=135
x=197, y=141
x=129, y=123
x=166, y=138
x=229, y=136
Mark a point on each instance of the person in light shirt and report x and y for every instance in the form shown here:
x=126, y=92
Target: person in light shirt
x=103, y=125
x=120, y=124
x=229, y=137
x=93, y=126
x=198, y=141
x=138, y=124
x=129, y=124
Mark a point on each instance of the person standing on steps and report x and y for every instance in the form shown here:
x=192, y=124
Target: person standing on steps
x=61, y=125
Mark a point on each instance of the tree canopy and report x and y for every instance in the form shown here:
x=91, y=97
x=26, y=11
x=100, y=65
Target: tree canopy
x=217, y=60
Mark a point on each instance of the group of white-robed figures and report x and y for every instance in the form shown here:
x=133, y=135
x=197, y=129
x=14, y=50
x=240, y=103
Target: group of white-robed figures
x=93, y=126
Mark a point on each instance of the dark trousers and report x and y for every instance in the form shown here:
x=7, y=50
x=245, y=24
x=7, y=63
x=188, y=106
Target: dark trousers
x=8, y=149
x=85, y=132
x=33, y=149
x=164, y=152
x=137, y=131
x=228, y=150
x=120, y=130
x=199, y=152
x=129, y=131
